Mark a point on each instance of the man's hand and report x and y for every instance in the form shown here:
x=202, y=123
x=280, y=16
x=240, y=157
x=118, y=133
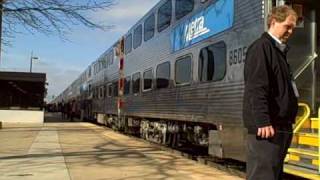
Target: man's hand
x=266, y=132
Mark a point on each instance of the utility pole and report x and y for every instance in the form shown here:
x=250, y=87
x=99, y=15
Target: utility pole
x=31, y=59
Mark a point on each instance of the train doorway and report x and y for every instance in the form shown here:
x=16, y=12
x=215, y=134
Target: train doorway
x=304, y=50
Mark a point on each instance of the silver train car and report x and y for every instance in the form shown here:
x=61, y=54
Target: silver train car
x=182, y=72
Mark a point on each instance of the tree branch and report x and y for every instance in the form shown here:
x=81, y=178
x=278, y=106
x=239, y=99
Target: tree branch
x=50, y=17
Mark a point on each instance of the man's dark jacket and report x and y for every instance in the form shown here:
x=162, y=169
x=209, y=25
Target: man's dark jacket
x=269, y=97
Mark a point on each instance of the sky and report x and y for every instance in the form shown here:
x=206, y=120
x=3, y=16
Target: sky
x=63, y=61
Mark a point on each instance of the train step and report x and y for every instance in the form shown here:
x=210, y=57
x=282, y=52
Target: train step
x=311, y=124
x=303, y=158
x=301, y=171
x=303, y=155
x=306, y=139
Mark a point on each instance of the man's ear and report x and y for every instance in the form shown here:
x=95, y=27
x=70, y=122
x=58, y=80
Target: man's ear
x=272, y=23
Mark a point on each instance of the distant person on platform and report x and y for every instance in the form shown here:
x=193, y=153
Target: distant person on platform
x=270, y=97
x=62, y=110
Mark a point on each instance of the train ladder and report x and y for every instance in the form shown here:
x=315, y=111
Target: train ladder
x=304, y=153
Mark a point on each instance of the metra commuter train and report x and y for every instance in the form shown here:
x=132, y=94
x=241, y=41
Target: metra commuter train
x=180, y=79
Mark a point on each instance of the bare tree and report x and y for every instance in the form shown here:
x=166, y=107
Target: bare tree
x=51, y=17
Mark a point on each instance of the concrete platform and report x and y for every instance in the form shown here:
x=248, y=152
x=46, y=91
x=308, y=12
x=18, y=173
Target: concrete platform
x=82, y=151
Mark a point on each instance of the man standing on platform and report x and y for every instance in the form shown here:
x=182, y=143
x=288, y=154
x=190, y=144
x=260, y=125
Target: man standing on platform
x=270, y=97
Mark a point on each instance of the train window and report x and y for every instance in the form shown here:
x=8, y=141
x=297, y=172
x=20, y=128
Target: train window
x=111, y=56
x=115, y=88
x=95, y=92
x=110, y=90
x=136, y=83
x=212, y=62
x=101, y=91
x=163, y=75
x=105, y=90
x=89, y=72
x=128, y=44
x=89, y=90
x=183, y=7
x=106, y=58
x=104, y=64
x=183, y=70
x=164, y=16
x=147, y=80
x=149, y=27
x=127, y=82
x=137, y=37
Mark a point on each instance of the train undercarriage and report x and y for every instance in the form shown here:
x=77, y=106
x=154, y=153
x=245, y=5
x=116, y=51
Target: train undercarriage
x=166, y=132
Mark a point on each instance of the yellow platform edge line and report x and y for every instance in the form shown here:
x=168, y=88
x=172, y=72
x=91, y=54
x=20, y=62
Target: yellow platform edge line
x=301, y=174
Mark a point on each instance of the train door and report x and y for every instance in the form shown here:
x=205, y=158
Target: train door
x=302, y=55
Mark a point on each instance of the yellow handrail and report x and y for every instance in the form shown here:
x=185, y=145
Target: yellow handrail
x=304, y=117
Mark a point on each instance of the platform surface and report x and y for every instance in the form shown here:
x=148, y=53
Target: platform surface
x=83, y=151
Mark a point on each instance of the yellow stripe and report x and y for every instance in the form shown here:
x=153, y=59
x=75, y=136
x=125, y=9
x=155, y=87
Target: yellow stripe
x=306, y=139
x=300, y=151
x=314, y=123
x=292, y=157
x=301, y=173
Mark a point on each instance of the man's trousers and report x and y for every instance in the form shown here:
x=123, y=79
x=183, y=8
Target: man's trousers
x=265, y=156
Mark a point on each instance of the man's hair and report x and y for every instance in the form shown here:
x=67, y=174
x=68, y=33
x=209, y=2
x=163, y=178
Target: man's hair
x=280, y=14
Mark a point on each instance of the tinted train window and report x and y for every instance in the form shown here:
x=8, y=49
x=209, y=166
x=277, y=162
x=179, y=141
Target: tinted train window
x=111, y=57
x=183, y=71
x=115, y=88
x=164, y=16
x=89, y=73
x=96, y=92
x=137, y=37
x=127, y=82
x=101, y=90
x=107, y=60
x=104, y=64
x=183, y=7
x=109, y=90
x=149, y=27
x=212, y=62
x=147, y=80
x=128, y=44
x=90, y=89
x=105, y=90
x=163, y=75
x=136, y=83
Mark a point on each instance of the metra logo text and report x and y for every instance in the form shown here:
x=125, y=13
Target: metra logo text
x=195, y=29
